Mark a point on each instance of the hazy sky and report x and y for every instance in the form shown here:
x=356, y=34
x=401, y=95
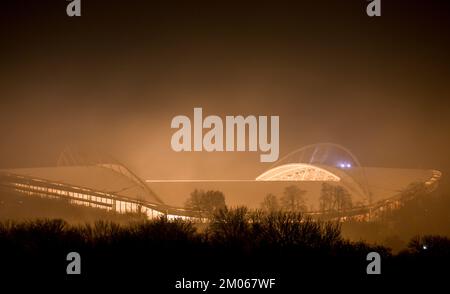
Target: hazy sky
x=114, y=78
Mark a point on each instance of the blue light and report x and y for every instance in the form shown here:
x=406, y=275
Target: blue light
x=344, y=165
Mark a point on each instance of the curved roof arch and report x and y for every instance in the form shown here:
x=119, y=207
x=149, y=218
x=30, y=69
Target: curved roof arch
x=320, y=153
x=298, y=172
x=70, y=157
x=334, y=158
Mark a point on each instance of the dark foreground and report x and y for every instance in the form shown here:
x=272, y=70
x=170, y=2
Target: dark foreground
x=236, y=246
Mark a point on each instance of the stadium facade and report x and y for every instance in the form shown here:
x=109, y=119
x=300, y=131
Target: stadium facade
x=108, y=184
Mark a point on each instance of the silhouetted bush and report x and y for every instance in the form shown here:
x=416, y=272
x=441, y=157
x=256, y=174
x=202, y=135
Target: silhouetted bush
x=272, y=229
x=251, y=240
x=430, y=245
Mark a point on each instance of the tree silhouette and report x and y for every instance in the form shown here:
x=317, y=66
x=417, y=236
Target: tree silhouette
x=207, y=202
x=334, y=198
x=293, y=199
x=270, y=203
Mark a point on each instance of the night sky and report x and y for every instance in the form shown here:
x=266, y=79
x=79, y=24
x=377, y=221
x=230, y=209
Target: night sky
x=115, y=77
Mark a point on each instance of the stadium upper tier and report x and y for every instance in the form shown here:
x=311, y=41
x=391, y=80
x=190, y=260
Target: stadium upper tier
x=95, y=177
x=106, y=186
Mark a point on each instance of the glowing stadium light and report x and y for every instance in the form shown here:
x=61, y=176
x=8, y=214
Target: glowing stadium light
x=344, y=165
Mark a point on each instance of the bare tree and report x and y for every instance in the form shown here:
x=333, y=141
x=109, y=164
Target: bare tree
x=334, y=198
x=293, y=199
x=207, y=202
x=270, y=203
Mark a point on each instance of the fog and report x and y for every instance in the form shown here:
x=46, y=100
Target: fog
x=115, y=77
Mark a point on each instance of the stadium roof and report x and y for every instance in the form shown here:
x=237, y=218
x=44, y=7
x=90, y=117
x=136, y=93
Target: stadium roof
x=113, y=186
x=96, y=177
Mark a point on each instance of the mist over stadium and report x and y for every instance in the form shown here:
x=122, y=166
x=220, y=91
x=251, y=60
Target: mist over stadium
x=102, y=182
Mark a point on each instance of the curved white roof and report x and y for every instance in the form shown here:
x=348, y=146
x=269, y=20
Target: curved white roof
x=298, y=172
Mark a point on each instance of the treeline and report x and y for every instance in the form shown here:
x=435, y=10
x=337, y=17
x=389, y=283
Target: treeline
x=284, y=244
x=333, y=198
x=422, y=214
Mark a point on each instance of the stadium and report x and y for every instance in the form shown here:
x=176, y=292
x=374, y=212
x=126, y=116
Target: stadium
x=94, y=181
